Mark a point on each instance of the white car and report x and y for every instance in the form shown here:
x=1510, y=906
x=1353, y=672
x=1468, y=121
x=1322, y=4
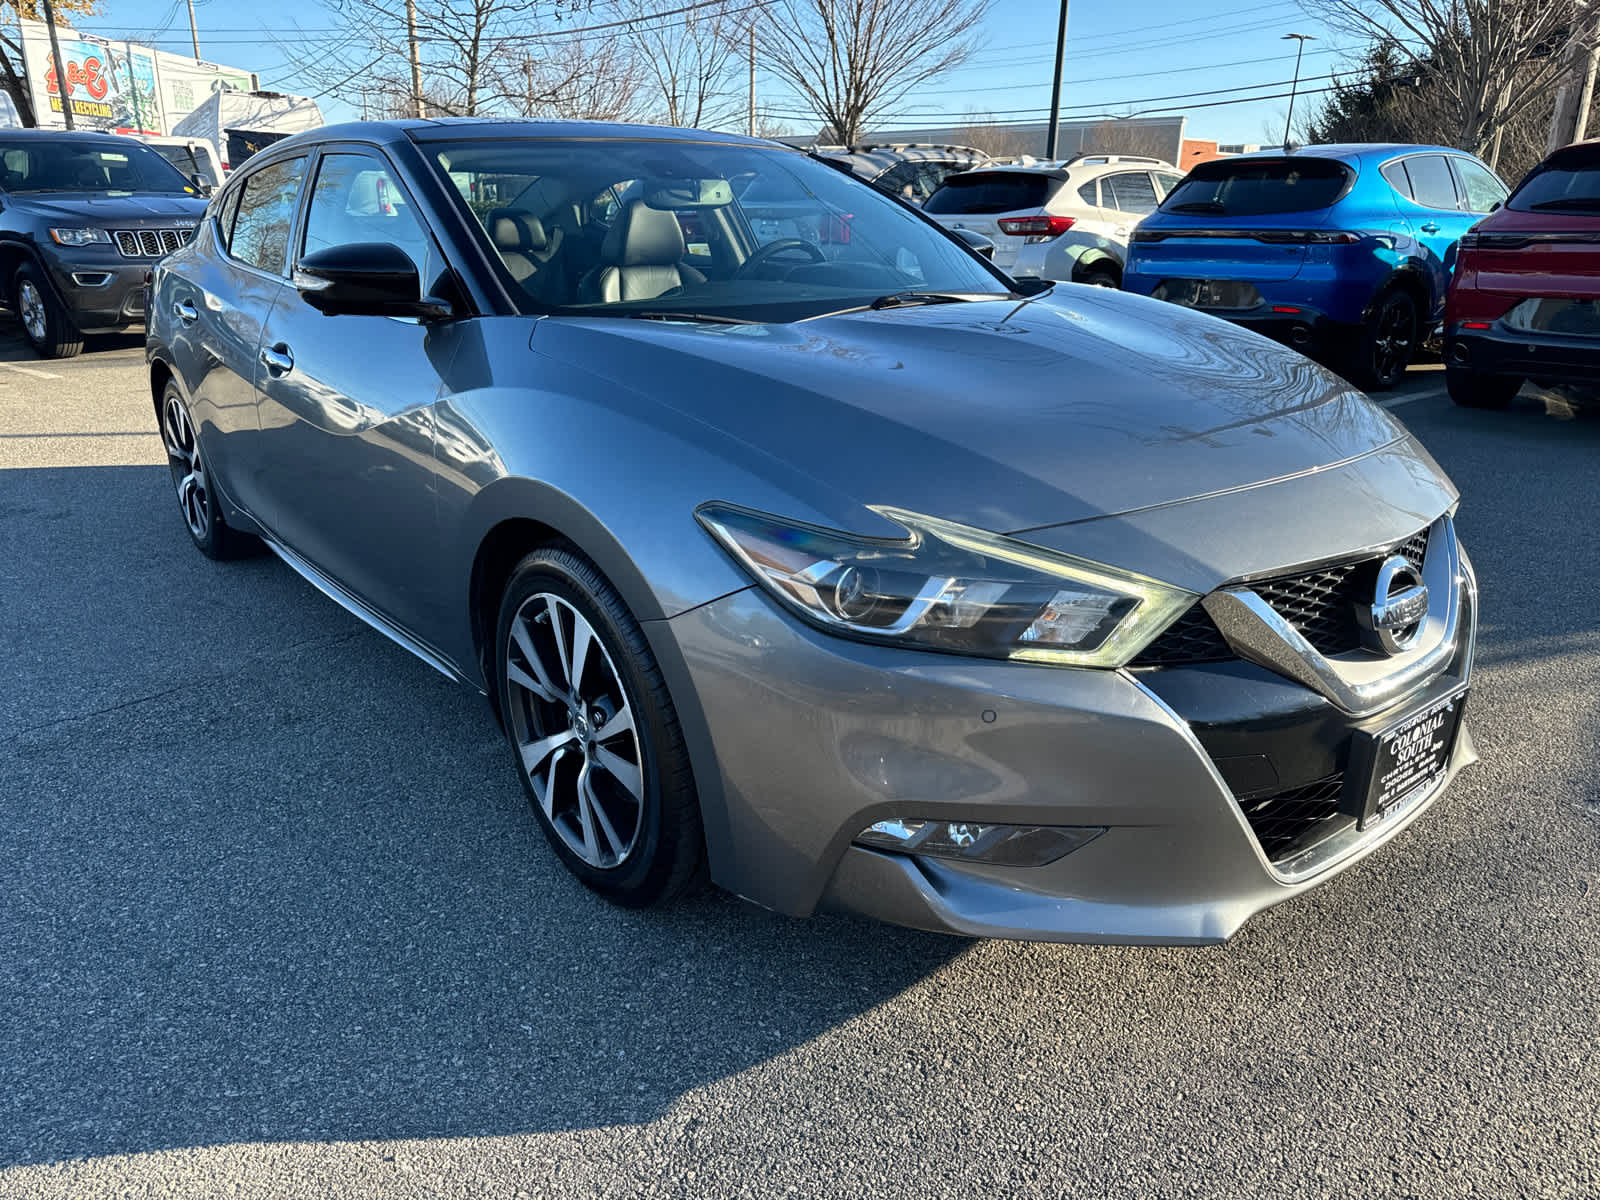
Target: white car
x=1097, y=194
x=1073, y=257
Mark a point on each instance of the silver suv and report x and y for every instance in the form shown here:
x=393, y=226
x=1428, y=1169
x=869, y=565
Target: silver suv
x=1103, y=195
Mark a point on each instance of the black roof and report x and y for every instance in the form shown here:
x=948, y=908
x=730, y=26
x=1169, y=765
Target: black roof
x=455, y=129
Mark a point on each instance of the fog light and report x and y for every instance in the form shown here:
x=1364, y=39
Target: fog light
x=1002, y=845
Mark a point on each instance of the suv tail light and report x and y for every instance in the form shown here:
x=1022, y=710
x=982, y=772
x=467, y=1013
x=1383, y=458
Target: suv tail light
x=1036, y=228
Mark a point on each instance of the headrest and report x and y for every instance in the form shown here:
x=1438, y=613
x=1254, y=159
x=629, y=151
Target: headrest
x=643, y=237
x=513, y=230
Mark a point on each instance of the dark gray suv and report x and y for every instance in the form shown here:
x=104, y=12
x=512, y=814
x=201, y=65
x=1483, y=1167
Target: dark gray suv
x=83, y=217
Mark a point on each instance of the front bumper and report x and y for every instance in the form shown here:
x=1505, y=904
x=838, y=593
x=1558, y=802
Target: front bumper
x=101, y=290
x=815, y=738
x=1546, y=357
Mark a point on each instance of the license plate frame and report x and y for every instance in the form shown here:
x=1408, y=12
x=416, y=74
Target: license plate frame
x=1390, y=764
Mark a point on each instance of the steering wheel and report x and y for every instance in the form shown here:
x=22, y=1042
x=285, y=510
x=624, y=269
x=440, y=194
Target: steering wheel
x=782, y=246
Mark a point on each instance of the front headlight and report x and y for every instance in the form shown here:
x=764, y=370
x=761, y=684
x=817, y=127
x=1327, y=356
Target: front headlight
x=950, y=587
x=79, y=237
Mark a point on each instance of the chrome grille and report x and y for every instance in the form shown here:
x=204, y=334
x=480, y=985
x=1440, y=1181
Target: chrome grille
x=1321, y=604
x=150, y=243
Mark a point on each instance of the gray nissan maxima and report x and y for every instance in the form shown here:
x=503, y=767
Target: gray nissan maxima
x=823, y=561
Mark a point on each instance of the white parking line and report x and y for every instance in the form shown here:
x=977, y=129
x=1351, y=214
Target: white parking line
x=29, y=371
x=1431, y=394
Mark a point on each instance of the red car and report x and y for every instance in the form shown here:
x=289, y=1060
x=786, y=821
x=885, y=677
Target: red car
x=1525, y=299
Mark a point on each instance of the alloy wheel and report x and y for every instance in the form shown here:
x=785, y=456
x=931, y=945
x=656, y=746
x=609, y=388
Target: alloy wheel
x=574, y=730
x=188, y=472
x=1391, y=347
x=30, y=306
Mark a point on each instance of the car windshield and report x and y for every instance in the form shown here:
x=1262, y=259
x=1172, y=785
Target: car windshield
x=1569, y=182
x=1244, y=187
x=71, y=165
x=699, y=230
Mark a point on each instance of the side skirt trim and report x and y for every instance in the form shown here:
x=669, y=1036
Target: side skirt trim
x=363, y=612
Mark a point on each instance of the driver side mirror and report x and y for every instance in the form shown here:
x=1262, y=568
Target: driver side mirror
x=976, y=242
x=371, y=279
x=200, y=185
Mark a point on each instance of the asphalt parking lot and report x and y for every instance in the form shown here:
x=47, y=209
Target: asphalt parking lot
x=276, y=921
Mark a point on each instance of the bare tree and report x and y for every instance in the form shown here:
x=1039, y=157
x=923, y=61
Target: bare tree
x=1487, y=61
x=981, y=132
x=691, y=61
x=575, y=80
x=463, y=46
x=851, y=60
x=12, y=78
x=1128, y=137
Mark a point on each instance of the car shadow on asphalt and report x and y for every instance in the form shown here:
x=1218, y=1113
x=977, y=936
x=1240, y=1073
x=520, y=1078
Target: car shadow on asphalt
x=267, y=877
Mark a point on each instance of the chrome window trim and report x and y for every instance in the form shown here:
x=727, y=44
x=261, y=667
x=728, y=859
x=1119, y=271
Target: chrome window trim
x=1360, y=682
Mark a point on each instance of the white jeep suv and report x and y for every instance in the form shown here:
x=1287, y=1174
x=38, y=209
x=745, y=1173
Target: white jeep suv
x=1102, y=196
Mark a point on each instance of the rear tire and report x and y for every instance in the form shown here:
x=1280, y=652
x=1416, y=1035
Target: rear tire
x=1100, y=278
x=1471, y=390
x=49, y=328
x=601, y=757
x=1385, y=344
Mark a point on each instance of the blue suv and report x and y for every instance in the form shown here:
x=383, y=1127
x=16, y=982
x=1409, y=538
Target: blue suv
x=1342, y=251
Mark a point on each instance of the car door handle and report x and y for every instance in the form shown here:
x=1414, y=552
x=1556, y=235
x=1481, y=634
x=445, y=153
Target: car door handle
x=186, y=312
x=1430, y=227
x=277, y=359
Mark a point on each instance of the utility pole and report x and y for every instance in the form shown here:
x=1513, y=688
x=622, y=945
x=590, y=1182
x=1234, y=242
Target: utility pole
x=1053, y=135
x=1300, y=40
x=63, y=88
x=416, y=63
x=751, y=127
x=194, y=32
x=1570, y=121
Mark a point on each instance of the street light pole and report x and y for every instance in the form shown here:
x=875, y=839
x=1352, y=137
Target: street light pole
x=1054, y=133
x=1300, y=40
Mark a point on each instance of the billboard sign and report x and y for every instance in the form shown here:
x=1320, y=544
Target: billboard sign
x=120, y=87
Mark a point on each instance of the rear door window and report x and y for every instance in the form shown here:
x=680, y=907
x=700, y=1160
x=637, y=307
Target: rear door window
x=1247, y=187
x=990, y=192
x=1131, y=192
x=267, y=205
x=1167, y=182
x=1480, y=187
x=1432, y=185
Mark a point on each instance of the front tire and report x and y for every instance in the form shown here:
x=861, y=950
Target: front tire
x=1385, y=344
x=48, y=327
x=192, y=480
x=1470, y=390
x=594, y=733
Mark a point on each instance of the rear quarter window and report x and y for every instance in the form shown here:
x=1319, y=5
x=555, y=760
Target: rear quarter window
x=1244, y=187
x=990, y=192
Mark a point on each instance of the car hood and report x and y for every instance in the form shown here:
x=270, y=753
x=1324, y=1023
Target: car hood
x=1083, y=404
x=98, y=207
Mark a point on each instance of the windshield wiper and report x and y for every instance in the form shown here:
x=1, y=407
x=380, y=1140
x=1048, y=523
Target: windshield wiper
x=698, y=318
x=902, y=299
x=1576, y=203
x=1211, y=206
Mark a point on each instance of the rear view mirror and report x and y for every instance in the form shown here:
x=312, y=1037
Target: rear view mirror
x=373, y=279
x=670, y=194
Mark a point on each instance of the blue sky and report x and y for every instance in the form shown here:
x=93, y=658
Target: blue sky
x=1121, y=58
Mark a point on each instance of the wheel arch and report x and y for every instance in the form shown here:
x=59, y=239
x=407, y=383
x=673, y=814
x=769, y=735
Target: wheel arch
x=1411, y=280
x=1097, y=260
